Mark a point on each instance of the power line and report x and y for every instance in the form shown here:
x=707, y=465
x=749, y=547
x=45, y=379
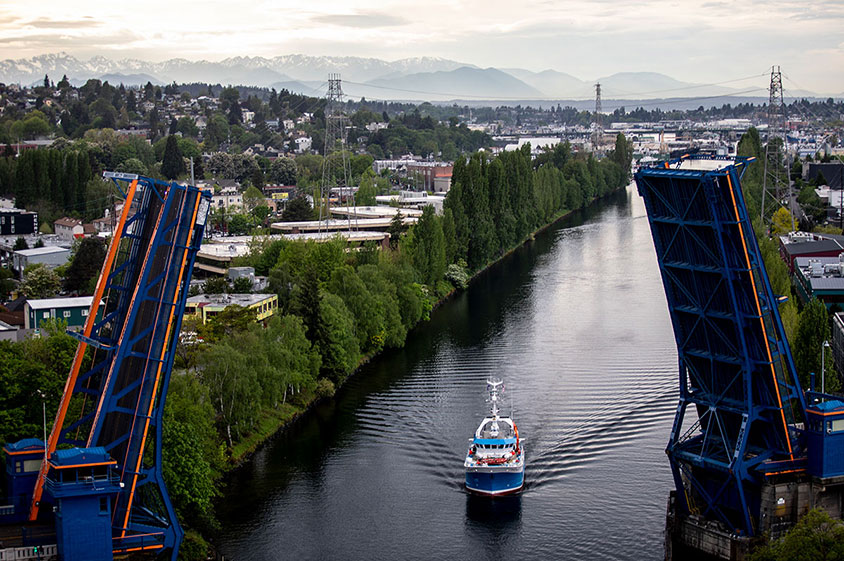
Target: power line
x=551, y=98
x=696, y=86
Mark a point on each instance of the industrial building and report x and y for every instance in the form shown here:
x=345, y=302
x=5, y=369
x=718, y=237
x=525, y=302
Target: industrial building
x=17, y=222
x=206, y=306
x=806, y=244
x=52, y=256
x=821, y=278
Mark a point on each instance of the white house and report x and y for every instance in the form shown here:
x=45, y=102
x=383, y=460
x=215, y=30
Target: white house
x=227, y=198
x=67, y=229
x=303, y=144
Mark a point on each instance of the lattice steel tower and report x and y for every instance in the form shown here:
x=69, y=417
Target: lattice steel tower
x=776, y=184
x=599, y=133
x=336, y=170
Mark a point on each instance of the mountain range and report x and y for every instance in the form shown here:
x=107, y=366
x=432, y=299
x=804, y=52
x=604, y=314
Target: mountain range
x=415, y=79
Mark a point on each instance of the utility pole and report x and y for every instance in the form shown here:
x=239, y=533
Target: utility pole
x=333, y=171
x=776, y=153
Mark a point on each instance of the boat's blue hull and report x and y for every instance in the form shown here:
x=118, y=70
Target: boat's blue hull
x=494, y=483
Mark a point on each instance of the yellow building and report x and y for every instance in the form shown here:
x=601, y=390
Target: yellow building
x=206, y=306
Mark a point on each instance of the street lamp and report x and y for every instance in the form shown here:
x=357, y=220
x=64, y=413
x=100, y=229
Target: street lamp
x=824, y=347
x=43, y=397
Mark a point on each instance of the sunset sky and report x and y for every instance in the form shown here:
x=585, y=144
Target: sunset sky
x=706, y=42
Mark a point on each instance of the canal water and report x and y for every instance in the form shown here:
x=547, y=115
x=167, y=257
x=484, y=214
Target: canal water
x=577, y=325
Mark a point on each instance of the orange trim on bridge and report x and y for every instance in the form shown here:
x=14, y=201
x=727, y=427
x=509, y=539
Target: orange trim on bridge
x=761, y=319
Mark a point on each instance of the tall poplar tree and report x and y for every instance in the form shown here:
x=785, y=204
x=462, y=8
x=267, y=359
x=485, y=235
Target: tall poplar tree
x=172, y=164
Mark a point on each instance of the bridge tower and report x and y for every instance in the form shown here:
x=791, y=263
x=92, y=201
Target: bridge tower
x=113, y=407
x=741, y=407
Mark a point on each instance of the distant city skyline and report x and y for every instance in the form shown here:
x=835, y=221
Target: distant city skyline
x=708, y=42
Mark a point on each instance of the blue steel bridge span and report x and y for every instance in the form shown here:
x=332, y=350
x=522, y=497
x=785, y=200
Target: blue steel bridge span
x=741, y=409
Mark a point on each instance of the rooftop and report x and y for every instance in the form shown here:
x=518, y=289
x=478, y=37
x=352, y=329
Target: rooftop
x=338, y=224
x=46, y=303
x=244, y=300
x=821, y=273
x=374, y=211
x=47, y=249
x=801, y=243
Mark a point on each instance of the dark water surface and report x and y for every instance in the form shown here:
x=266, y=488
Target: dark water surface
x=577, y=325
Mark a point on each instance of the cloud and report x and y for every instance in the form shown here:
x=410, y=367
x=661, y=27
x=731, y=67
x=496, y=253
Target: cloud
x=361, y=20
x=46, y=23
x=819, y=14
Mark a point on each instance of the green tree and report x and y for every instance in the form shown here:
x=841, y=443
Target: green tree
x=298, y=209
x=189, y=477
x=217, y=131
x=173, y=164
x=40, y=282
x=225, y=368
x=216, y=285
x=294, y=361
x=623, y=153
x=367, y=315
x=252, y=197
x=781, y=221
x=339, y=347
x=85, y=265
x=230, y=104
x=283, y=171
x=240, y=224
x=260, y=213
x=7, y=283
x=385, y=293
x=396, y=229
x=133, y=165
x=242, y=285
x=31, y=371
x=816, y=537
x=20, y=243
x=426, y=244
x=812, y=330
x=366, y=192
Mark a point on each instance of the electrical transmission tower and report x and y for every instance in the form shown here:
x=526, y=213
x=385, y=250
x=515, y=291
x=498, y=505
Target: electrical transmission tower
x=776, y=183
x=336, y=169
x=599, y=133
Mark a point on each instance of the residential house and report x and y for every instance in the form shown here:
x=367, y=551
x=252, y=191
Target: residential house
x=104, y=225
x=228, y=197
x=303, y=144
x=68, y=229
x=72, y=310
x=374, y=127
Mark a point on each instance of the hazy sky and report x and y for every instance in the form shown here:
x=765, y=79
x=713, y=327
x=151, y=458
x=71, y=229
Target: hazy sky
x=705, y=42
